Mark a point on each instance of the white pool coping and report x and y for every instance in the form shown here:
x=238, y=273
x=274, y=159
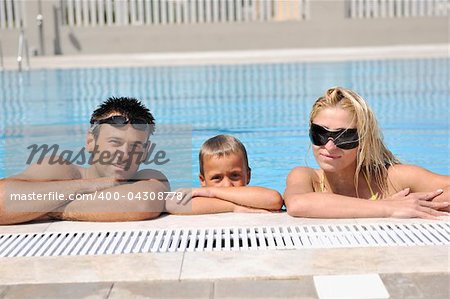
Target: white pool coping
x=217, y=265
x=234, y=57
x=196, y=221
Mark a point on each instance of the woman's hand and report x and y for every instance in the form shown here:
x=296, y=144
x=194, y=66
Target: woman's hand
x=414, y=205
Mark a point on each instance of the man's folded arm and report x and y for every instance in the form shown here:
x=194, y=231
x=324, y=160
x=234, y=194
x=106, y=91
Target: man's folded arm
x=128, y=202
x=40, y=189
x=140, y=200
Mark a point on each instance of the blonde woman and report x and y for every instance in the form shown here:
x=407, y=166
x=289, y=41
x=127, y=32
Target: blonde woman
x=358, y=175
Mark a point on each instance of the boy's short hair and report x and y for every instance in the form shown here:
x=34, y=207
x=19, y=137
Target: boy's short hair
x=222, y=145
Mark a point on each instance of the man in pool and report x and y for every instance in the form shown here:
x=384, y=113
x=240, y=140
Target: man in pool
x=120, y=130
x=224, y=176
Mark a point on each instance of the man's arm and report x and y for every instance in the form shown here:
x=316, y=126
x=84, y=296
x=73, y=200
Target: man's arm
x=140, y=200
x=19, y=195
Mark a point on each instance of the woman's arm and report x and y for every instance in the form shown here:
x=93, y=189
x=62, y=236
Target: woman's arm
x=302, y=201
x=419, y=179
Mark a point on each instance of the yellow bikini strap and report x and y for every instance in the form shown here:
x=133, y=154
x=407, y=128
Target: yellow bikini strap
x=373, y=196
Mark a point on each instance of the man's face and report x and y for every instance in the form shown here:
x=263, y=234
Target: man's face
x=119, y=150
x=225, y=171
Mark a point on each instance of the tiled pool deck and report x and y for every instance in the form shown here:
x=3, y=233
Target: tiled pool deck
x=407, y=272
x=234, y=57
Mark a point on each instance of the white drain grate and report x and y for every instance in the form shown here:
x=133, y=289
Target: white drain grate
x=224, y=239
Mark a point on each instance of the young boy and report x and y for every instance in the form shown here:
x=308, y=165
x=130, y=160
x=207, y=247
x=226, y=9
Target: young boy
x=224, y=175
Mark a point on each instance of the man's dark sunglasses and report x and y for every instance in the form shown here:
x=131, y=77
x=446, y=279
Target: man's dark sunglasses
x=120, y=121
x=343, y=138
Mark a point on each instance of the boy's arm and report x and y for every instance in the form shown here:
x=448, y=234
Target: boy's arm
x=140, y=200
x=207, y=205
x=199, y=206
x=248, y=196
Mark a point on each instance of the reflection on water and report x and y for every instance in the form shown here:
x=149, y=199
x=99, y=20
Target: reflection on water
x=265, y=105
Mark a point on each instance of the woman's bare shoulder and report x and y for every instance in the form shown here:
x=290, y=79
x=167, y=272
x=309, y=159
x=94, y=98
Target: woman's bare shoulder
x=417, y=178
x=400, y=172
x=303, y=174
x=303, y=171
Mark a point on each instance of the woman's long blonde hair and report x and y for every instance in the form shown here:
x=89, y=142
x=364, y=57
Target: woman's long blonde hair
x=373, y=158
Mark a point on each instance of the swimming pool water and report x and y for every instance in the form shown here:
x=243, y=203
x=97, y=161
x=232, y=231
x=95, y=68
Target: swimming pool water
x=265, y=105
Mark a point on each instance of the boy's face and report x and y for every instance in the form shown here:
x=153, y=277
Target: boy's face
x=225, y=171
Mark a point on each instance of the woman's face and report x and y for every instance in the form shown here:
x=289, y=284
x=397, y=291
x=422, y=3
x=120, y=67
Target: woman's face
x=330, y=157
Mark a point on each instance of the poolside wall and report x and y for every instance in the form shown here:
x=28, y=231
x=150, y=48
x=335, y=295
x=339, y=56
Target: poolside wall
x=322, y=23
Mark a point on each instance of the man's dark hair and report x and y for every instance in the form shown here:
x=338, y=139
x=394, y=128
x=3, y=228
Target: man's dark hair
x=125, y=106
x=128, y=107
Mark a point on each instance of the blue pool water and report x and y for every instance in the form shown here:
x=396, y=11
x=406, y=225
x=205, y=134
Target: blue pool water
x=264, y=105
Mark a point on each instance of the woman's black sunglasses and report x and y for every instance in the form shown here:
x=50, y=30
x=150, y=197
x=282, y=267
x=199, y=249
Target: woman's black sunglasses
x=343, y=138
x=120, y=121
